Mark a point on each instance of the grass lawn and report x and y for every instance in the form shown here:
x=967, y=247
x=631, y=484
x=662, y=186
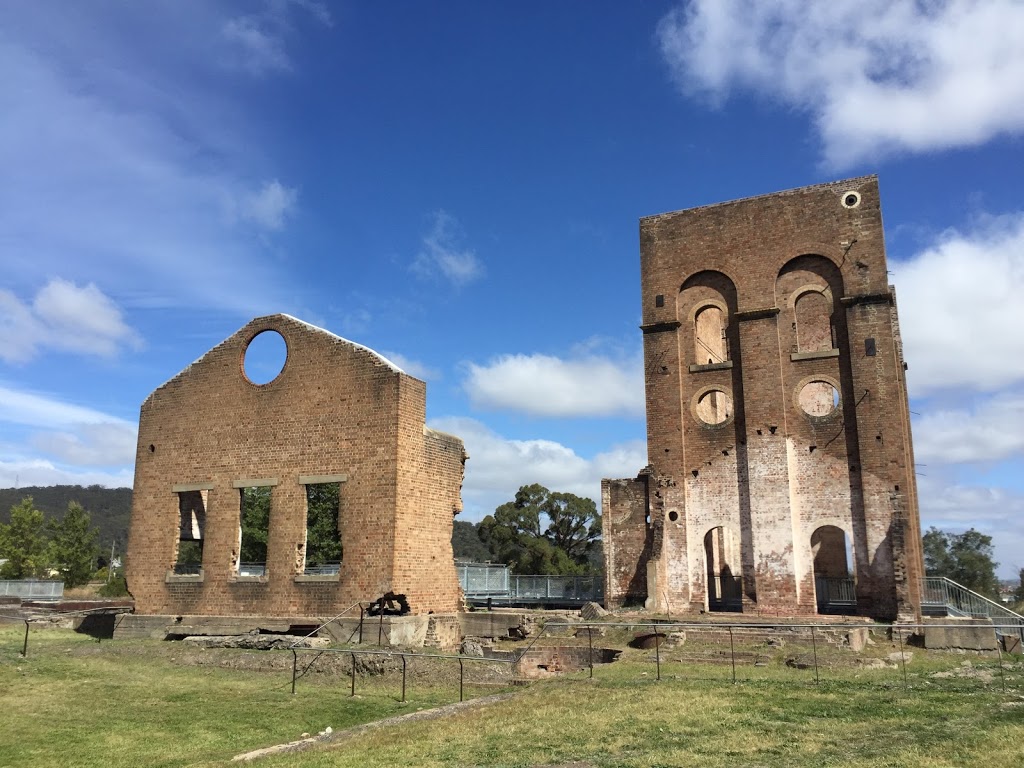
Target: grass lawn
x=75, y=702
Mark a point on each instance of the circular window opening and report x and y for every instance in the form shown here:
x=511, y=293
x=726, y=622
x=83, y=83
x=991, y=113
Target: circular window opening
x=673, y=515
x=265, y=357
x=714, y=407
x=819, y=398
x=851, y=199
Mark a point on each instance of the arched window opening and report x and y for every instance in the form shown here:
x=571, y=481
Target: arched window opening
x=709, y=336
x=833, y=584
x=722, y=556
x=813, y=322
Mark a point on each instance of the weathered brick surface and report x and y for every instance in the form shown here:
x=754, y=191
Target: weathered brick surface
x=335, y=409
x=800, y=281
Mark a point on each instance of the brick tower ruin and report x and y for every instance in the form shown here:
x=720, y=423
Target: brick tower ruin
x=781, y=471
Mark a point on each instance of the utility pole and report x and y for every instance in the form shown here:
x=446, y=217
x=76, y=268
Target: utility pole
x=110, y=564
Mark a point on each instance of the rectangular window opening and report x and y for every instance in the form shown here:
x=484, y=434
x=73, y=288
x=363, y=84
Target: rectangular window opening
x=254, y=523
x=323, y=548
x=188, y=560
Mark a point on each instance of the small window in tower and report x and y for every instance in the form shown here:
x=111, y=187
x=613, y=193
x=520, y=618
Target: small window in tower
x=714, y=407
x=709, y=336
x=813, y=322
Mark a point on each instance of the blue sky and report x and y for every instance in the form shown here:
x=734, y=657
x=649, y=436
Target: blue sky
x=457, y=185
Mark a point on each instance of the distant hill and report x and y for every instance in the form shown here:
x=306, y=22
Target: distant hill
x=109, y=508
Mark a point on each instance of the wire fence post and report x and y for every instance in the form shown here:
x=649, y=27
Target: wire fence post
x=732, y=655
x=903, y=657
x=403, y=678
x=380, y=627
x=999, y=655
x=590, y=642
x=657, y=651
x=814, y=648
x=460, y=678
x=24, y=647
x=295, y=668
x=353, y=675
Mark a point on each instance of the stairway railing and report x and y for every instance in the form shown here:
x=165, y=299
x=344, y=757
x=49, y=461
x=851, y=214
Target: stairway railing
x=958, y=600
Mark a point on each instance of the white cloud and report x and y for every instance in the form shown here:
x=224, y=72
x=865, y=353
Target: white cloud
x=959, y=305
x=35, y=410
x=994, y=511
x=62, y=316
x=94, y=445
x=257, y=40
x=413, y=367
x=443, y=253
x=498, y=466
x=877, y=75
x=68, y=435
x=269, y=207
x=990, y=429
x=586, y=384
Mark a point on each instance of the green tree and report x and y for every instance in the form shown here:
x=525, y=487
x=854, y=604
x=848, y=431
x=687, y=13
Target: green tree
x=1018, y=593
x=323, y=541
x=543, y=532
x=966, y=558
x=255, y=524
x=73, y=546
x=23, y=543
x=466, y=544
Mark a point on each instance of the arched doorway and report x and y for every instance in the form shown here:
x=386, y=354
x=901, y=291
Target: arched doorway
x=722, y=556
x=833, y=582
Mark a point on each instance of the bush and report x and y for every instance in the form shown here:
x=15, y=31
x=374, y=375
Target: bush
x=116, y=587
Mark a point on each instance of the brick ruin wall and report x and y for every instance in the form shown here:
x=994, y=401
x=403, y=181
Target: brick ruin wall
x=336, y=411
x=777, y=412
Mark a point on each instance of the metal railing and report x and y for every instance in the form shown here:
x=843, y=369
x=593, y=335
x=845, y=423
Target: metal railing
x=187, y=569
x=324, y=569
x=32, y=589
x=494, y=583
x=958, y=600
x=483, y=579
x=835, y=595
x=252, y=569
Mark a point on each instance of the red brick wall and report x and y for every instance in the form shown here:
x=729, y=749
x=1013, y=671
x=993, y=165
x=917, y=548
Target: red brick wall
x=768, y=472
x=335, y=409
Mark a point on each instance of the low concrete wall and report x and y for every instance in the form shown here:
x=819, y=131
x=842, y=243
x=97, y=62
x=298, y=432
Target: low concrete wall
x=954, y=632
x=490, y=624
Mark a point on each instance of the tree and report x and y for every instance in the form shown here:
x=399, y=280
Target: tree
x=1018, y=593
x=543, y=532
x=966, y=558
x=23, y=543
x=255, y=524
x=323, y=541
x=466, y=544
x=73, y=546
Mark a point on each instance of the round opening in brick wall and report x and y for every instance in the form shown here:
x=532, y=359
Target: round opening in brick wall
x=673, y=515
x=851, y=199
x=264, y=357
x=714, y=407
x=819, y=398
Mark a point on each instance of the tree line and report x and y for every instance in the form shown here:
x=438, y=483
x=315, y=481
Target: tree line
x=36, y=548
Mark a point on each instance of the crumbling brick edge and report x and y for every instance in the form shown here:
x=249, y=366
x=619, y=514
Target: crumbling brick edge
x=428, y=714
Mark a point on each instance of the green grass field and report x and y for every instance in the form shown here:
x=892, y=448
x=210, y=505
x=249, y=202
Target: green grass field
x=76, y=702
